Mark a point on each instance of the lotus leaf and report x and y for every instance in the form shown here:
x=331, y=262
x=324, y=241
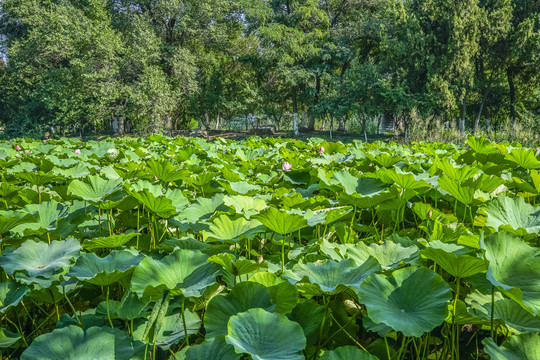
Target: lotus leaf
x=183, y=271
x=73, y=343
x=216, y=350
x=11, y=294
x=281, y=222
x=514, y=266
x=520, y=347
x=331, y=278
x=95, y=190
x=347, y=353
x=254, y=332
x=513, y=215
x=104, y=271
x=411, y=300
x=40, y=259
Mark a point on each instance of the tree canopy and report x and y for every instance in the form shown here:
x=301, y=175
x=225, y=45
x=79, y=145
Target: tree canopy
x=155, y=65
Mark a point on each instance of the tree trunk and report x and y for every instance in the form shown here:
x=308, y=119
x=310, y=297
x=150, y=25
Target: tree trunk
x=121, y=126
x=331, y=125
x=167, y=123
x=510, y=75
x=364, y=120
x=295, y=112
x=311, y=125
x=463, y=116
x=217, y=121
x=341, y=124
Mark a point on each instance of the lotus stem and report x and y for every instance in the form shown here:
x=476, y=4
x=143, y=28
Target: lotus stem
x=184, y=321
x=107, y=303
x=387, y=348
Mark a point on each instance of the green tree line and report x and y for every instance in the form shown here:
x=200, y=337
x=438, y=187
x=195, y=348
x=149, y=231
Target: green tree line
x=154, y=65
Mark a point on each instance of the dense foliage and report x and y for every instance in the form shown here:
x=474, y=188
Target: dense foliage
x=163, y=248
x=154, y=65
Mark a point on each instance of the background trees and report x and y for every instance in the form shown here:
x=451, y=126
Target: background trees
x=154, y=65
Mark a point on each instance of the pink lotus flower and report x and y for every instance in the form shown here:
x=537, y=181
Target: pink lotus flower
x=320, y=150
x=18, y=147
x=155, y=177
x=537, y=148
x=286, y=166
x=261, y=259
x=77, y=151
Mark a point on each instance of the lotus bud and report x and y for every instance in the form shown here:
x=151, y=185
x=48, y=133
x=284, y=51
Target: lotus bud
x=18, y=147
x=430, y=214
x=260, y=259
x=320, y=150
x=78, y=151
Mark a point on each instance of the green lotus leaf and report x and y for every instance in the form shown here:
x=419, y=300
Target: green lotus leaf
x=481, y=145
x=95, y=190
x=216, y=350
x=520, y=347
x=37, y=177
x=40, y=259
x=281, y=222
x=331, y=278
x=309, y=315
x=366, y=202
x=513, y=215
x=524, y=158
x=223, y=228
x=104, y=271
x=456, y=265
x=364, y=187
x=412, y=300
x=73, y=343
x=46, y=215
x=165, y=171
x=108, y=242
x=347, y=353
x=246, y=205
x=507, y=310
x=202, y=209
x=463, y=194
x=8, y=338
x=457, y=173
x=243, y=296
x=384, y=159
x=171, y=330
x=403, y=180
x=283, y=294
x=514, y=266
x=390, y=254
x=12, y=219
x=254, y=332
x=157, y=204
x=240, y=187
x=79, y=170
x=11, y=294
x=236, y=267
x=177, y=198
x=131, y=306
x=183, y=272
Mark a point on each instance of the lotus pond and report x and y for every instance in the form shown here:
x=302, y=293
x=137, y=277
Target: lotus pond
x=266, y=249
